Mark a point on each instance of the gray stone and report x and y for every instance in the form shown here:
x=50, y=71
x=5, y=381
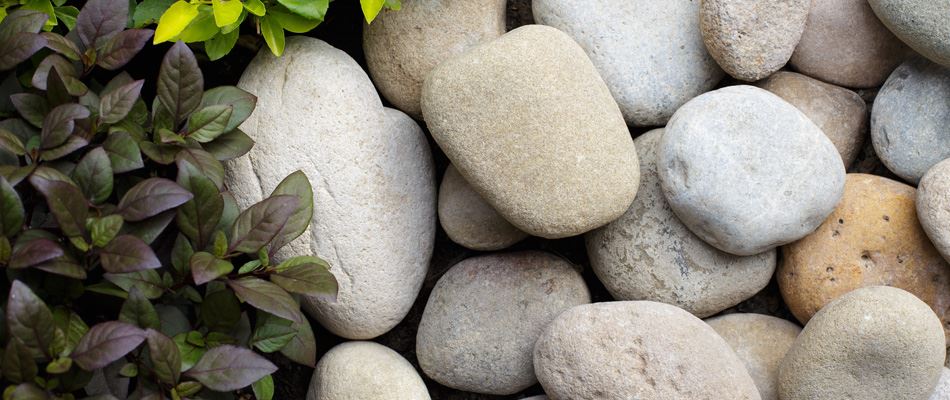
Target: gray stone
x=541, y=397
x=751, y=39
x=840, y=113
x=365, y=371
x=845, y=44
x=910, y=117
x=922, y=24
x=933, y=206
x=402, y=46
x=746, y=171
x=530, y=124
x=469, y=220
x=372, y=175
x=637, y=350
x=876, y=342
x=761, y=342
x=648, y=254
x=942, y=392
x=651, y=53
x=483, y=317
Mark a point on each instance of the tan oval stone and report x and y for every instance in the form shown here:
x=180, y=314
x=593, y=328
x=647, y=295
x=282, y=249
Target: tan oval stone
x=469, y=220
x=872, y=238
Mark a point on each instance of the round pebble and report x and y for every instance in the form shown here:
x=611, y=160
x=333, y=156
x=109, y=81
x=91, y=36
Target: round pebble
x=469, y=220
x=365, y=371
x=933, y=206
x=922, y=24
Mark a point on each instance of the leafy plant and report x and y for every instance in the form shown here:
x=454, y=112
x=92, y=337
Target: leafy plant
x=56, y=10
x=103, y=196
x=217, y=23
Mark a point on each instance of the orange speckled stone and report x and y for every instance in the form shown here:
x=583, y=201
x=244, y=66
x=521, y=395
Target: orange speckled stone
x=872, y=238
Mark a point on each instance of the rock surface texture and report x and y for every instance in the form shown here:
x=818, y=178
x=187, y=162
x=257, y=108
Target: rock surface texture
x=844, y=43
x=648, y=254
x=933, y=206
x=877, y=342
x=872, y=238
x=365, y=371
x=532, y=127
x=922, y=24
x=403, y=46
x=751, y=39
x=840, y=113
x=910, y=117
x=651, y=53
x=469, y=220
x=746, y=171
x=761, y=342
x=942, y=392
x=637, y=350
x=372, y=176
x=484, y=315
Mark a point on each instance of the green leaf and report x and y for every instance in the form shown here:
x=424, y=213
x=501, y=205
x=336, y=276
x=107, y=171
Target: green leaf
x=166, y=359
x=26, y=391
x=242, y=103
x=261, y=223
x=18, y=364
x=66, y=203
x=94, y=176
x=123, y=152
x=371, y=8
x=148, y=281
x=311, y=9
x=198, y=217
x=307, y=279
x=226, y=368
x=293, y=22
x=273, y=34
x=190, y=352
x=44, y=6
x=201, y=28
x=227, y=12
x=59, y=124
x=139, y=311
x=12, y=143
x=264, y=388
x=181, y=255
x=230, y=213
x=205, y=267
x=302, y=349
x=208, y=123
x=106, y=342
x=59, y=366
x=249, y=266
x=103, y=230
x=151, y=197
x=119, y=50
x=221, y=44
x=205, y=162
x=32, y=107
x=67, y=15
x=99, y=20
x=72, y=326
x=160, y=153
x=174, y=20
x=272, y=333
x=128, y=253
x=255, y=7
x=180, y=83
x=186, y=389
x=220, y=311
x=129, y=370
x=296, y=184
x=148, y=12
x=116, y=104
x=29, y=320
x=12, y=213
x=266, y=296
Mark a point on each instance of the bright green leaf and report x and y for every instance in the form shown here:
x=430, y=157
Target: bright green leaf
x=310, y=9
x=273, y=34
x=255, y=7
x=103, y=230
x=174, y=20
x=226, y=12
x=371, y=8
x=221, y=44
x=264, y=388
x=201, y=28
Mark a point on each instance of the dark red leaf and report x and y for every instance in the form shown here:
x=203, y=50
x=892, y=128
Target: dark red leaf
x=99, y=20
x=122, y=48
x=151, y=197
x=59, y=124
x=116, y=104
x=105, y=343
x=29, y=320
x=227, y=368
x=180, y=83
x=266, y=296
x=260, y=223
x=34, y=252
x=66, y=203
x=20, y=47
x=127, y=253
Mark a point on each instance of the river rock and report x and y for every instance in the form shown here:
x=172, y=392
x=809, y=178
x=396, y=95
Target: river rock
x=724, y=177
x=541, y=397
x=483, y=317
x=922, y=24
x=872, y=238
x=530, y=124
x=372, y=175
x=403, y=47
x=845, y=44
x=761, y=342
x=877, y=343
x=648, y=254
x=751, y=39
x=365, y=371
x=942, y=392
x=840, y=113
x=637, y=350
x=933, y=206
x=469, y=220
x=909, y=119
x=651, y=53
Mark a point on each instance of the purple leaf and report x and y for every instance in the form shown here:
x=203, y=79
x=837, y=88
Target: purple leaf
x=61, y=45
x=21, y=20
x=127, y=253
x=205, y=162
x=199, y=217
x=230, y=145
x=19, y=48
x=59, y=124
x=66, y=203
x=29, y=320
x=72, y=144
x=180, y=83
x=266, y=296
x=99, y=20
x=32, y=107
x=260, y=223
x=151, y=197
x=34, y=252
x=12, y=213
x=227, y=368
x=63, y=67
x=242, y=103
x=122, y=48
x=205, y=267
x=105, y=343
x=166, y=359
x=116, y=104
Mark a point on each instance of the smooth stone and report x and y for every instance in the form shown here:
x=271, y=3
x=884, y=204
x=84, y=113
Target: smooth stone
x=746, y=171
x=365, y=371
x=933, y=206
x=761, y=342
x=651, y=53
x=922, y=24
x=372, y=175
x=872, y=238
x=845, y=44
x=840, y=113
x=648, y=254
x=403, y=46
x=541, y=397
x=469, y=220
x=877, y=343
x=910, y=117
x=637, y=350
x=751, y=39
x=483, y=317
x=942, y=392
x=531, y=126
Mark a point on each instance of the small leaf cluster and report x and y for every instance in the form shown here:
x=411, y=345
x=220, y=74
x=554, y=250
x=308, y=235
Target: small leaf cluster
x=217, y=23
x=104, y=195
x=56, y=10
